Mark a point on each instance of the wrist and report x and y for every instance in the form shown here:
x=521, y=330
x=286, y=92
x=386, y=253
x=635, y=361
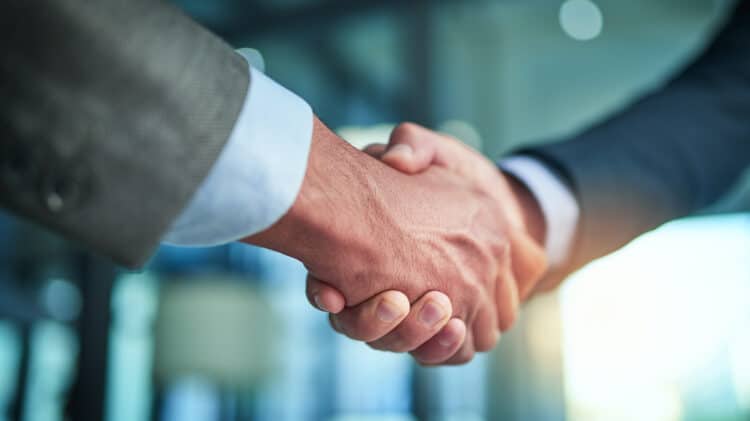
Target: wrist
x=314, y=229
x=533, y=217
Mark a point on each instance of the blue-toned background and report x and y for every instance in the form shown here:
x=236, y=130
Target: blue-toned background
x=657, y=331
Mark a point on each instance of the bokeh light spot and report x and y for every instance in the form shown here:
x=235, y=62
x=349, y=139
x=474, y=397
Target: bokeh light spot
x=581, y=20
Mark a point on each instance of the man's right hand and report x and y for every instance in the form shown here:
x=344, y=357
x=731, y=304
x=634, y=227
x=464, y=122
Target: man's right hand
x=367, y=229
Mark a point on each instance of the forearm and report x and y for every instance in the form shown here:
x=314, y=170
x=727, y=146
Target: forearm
x=260, y=170
x=115, y=112
x=336, y=183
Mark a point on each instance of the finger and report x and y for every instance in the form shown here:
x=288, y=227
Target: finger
x=529, y=265
x=485, y=330
x=507, y=301
x=323, y=296
x=373, y=318
x=411, y=148
x=443, y=345
x=428, y=315
x=465, y=353
x=334, y=321
x=376, y=150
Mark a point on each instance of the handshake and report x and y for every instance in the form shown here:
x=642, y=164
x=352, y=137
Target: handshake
x=419, y=246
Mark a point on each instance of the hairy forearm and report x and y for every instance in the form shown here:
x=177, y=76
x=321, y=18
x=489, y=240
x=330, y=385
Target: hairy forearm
x=335, y=185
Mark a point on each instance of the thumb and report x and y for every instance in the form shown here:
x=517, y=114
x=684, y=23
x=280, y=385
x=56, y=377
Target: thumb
x=324, y=297
x=411, y=149
x=375, y=150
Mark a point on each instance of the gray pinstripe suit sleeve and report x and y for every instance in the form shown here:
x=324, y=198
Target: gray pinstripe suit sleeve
x=112, y=113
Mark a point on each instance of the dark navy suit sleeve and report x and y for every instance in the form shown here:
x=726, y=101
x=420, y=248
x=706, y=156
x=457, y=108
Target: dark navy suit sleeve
x=666, y=156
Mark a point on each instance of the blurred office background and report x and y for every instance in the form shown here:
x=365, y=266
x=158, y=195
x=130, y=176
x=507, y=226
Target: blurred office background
x=657, y=331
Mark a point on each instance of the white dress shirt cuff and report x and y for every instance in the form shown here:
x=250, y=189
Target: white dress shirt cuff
x=259, y=172
x=558, y=204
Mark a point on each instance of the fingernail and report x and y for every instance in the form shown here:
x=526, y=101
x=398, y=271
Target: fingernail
x=401, y=149
x=388, y=312
x=319, y=303
x=336, y=323
x=446, y=339
x=431, y=313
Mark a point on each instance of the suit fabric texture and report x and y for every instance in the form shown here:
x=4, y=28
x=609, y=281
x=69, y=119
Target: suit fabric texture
x=668, y=155
x=112, y=114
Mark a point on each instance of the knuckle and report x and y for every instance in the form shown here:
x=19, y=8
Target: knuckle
x=467, y=312
x=501, y=249
x=406, y=129
x=475, y=293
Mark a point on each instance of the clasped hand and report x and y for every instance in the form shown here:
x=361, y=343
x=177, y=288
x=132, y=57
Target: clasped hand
x=431, y=253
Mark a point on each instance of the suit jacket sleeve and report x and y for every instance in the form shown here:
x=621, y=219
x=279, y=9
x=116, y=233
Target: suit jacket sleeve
x=112, y=114
x=667, y=155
